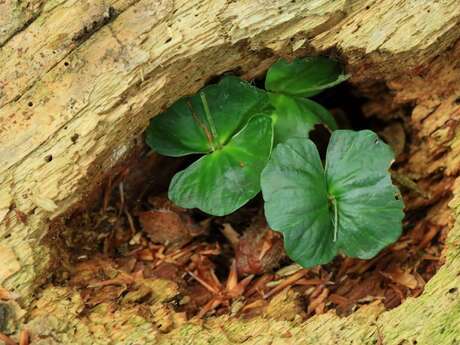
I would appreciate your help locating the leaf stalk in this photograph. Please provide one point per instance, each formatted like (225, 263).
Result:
(336, 217)
(210, 120)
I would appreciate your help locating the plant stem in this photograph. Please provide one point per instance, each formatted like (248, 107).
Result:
(215, 144)
(336, 217)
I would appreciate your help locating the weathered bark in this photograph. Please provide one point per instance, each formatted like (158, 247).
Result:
(79, 81)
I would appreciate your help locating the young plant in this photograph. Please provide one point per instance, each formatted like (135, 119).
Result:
(225, 122)
(350, 206)
(234, 125)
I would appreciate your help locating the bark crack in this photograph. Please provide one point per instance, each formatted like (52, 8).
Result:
(88, 30)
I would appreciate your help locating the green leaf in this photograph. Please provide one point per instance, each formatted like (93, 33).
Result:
(349, 207)
(296, 202)
(223, 181)
(295, 117)
(184, 128)
(304, 77)
(370, 209)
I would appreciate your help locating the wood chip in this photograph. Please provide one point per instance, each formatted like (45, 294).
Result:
(318, 301)
(259, 285)
(24, 337)
(260, 303)
(288, 270)
(309, 282)
(287, 282)
(231, 234)
(205, 284)
(429, 235)
(121, 279)
(401, 277)
(337, 299)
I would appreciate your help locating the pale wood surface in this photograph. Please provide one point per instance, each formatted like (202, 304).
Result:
(79, 81)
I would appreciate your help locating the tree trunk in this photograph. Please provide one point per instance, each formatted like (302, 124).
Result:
(79, 81)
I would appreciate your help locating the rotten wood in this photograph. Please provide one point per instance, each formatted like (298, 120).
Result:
(78, 85)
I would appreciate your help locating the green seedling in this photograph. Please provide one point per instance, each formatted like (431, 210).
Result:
(349, 207)
(226, 123)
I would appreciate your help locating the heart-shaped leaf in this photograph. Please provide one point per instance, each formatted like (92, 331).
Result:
(295, 117)
(184, 128)
(349, 207)
(224, 180)
(304, 77)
